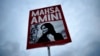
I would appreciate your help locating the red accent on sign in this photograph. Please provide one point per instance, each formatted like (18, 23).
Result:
(47, 27)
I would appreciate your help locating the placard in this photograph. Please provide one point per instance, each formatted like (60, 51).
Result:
(47, 27)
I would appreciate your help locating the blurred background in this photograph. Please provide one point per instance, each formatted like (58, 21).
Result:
(83, 21)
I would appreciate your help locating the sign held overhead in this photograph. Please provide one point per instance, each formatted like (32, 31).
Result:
(47, 27)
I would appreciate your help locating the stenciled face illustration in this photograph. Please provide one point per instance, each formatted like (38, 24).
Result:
(44, 29)
(34, 30)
